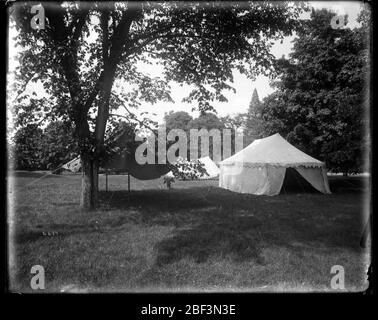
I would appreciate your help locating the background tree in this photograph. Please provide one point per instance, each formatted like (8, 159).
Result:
(322, 97)
(58, 145)
(252, 122)
(184, 121)
(208, 121)
(188, 170)
(28, 148)
(255, 102)
(86, 47)
(177, 120)
(234, 121)
(40, 149)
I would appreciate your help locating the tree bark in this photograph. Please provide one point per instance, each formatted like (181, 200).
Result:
(89, 189)
(89, 195)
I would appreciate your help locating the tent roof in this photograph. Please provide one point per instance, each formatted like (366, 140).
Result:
(273, 150)
(210, 166)
(73, 165)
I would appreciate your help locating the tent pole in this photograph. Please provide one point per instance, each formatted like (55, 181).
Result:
(106, 180)
(128, 182)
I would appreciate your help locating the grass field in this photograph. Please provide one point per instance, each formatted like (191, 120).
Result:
(195, 236)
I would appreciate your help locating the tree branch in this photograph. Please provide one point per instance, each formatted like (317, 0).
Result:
(119, 115)
(104, 20)
(78, 24)
(120, 36)
(133, 116)
(23, 88)
(137, 49)
(118, 40)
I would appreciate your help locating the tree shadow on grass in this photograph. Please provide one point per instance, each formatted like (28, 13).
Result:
(237, 238)
(211, 221)
(164, 207)
(352, 184)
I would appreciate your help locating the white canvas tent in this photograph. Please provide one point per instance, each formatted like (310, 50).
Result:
(260, 168)
(210, 167)
(208, 164)
(73, 165)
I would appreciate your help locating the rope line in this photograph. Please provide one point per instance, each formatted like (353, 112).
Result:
(40, 178)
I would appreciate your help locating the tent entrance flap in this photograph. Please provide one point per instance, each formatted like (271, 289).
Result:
(317, 177)
(294, 182)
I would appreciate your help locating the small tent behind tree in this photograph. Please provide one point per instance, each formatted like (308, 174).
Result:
(125, 164)
(73, 165)
(211, 168)
(203, 168)
(260, 168)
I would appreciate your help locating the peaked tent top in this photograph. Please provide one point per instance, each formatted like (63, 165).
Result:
(210, 166)
(273, 150)
(73, 165)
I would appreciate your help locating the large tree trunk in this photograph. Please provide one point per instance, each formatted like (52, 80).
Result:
(89, 193)
(89, 189)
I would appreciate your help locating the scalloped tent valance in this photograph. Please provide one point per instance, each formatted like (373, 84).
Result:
(260, 168)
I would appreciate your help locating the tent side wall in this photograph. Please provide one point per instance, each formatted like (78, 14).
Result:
(267, 180)
(253, 180)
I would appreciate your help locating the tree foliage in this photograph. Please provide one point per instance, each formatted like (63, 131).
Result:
(255, 102)
(207, 120)
(58, 145)
(43, 149)
(184, 121)
(178, 120)
(188, 170)
(28, 148)
(322, 96)
(252, 123)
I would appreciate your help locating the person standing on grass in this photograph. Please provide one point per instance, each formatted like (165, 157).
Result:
(168, 179)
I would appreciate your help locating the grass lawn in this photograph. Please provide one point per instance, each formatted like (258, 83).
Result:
(195, 236)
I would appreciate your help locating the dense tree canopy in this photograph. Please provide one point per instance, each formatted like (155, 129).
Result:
(57, 145)
(177, 120)
(322, 97)
(28, 148)
(184, 121)
(40, 149)
(207, 120)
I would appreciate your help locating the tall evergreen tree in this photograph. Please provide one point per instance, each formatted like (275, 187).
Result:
(253, 118)
(255, 102)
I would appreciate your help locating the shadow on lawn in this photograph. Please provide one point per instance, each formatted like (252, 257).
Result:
(236, 237)
(215, 222)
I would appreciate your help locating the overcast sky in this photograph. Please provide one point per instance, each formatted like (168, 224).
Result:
(237, 102)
